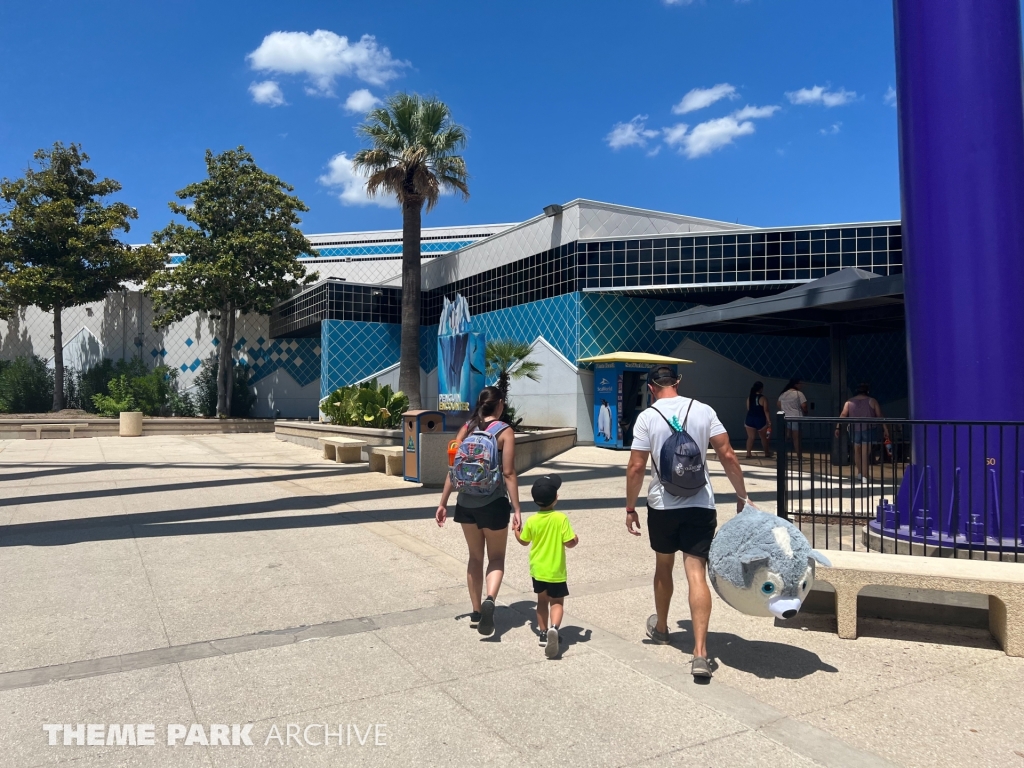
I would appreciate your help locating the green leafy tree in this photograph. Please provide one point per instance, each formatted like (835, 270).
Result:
(241, 246)
(413, 156)
(57, 242)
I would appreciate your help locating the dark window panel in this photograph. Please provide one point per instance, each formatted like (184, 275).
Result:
(787, 237)
(788, 249)
(803, 246)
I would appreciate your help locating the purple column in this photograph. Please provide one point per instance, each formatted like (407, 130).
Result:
(961, 131)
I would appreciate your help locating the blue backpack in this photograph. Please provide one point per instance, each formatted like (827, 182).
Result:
(476, 468)
(680, 465)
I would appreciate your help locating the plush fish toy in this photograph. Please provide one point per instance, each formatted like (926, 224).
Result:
(762, 565)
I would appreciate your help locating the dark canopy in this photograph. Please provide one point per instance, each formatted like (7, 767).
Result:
(857, 301)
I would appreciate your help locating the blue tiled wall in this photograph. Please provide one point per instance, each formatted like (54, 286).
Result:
(583, 325)
(353, 350)
(299, 357)
(880, 359)
(609, 323)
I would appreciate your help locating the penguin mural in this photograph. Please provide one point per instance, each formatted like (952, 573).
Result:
(604, 421)
(762, 565)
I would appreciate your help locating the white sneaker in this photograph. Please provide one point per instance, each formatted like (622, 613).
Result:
(552, 646)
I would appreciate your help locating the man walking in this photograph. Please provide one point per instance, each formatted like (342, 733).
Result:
(679, 523)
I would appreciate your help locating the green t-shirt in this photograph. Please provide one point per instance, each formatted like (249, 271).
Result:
(548, 532)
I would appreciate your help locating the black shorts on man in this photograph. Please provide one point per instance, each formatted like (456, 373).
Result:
(686, 529)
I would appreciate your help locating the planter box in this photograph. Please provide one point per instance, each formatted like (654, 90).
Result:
(103, 426)
(306, 433)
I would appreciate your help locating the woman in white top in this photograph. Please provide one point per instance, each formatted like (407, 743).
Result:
(793, 403)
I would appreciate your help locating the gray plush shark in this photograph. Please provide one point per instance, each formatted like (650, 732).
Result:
(762, 565)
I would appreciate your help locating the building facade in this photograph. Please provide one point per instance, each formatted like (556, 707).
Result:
(580, 280)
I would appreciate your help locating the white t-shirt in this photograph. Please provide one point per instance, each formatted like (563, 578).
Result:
(792, 401)
(651, 432)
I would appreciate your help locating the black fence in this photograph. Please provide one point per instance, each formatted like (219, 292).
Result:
(944, 488)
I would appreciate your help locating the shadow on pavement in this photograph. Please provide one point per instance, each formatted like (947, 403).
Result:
(762, 658)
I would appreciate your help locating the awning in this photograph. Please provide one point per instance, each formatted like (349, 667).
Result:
(859, 301)
(634, 358)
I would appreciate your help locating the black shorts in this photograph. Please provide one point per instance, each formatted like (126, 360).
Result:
(688, 530)
(493, 516)
(553, 588)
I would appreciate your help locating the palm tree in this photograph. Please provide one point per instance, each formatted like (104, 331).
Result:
(502, 356)
(413, 156)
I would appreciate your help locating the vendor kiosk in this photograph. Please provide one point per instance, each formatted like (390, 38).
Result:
(620, 393)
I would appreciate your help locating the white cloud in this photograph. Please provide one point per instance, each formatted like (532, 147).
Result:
(675, 134)
(360, 101)
(710, 135)
(821, 95)
(699, 98)
(351, 185)
(268, 92)
(832, 130)
(678, 2)
(890, 97)
(749, 112)
(706, 137)
(634, 133)
(323, 56)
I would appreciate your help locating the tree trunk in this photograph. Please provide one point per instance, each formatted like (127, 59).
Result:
(58, 361)
(409, 371)
(223, 363)
(231, 358)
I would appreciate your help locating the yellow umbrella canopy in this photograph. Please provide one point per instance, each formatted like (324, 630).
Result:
(634, 358)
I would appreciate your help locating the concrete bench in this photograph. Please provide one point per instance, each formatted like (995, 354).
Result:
(54, 426)
(1002, 582)
(389, 459)
(343, 450)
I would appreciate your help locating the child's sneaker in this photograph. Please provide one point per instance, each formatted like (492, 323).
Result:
(542, 637)
(474, 619)
(552, 643)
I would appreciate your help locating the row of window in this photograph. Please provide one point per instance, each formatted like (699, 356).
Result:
(767, 257)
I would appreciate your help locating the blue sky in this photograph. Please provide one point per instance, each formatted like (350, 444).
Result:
(767, 112)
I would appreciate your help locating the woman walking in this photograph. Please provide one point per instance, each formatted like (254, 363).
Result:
(793, 403)
(485, 518)
(863, 406)
(757, 419)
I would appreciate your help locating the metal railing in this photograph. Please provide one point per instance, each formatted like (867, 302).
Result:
(944, 488)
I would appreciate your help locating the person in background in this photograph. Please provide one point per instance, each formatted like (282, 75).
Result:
(757, 419)
(863, 406)
(793, 403)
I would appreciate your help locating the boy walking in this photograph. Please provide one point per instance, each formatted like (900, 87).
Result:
(550, 534)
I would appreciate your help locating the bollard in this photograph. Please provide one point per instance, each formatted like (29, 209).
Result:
(131, 424)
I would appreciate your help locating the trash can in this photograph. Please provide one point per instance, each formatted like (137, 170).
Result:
(415, 424)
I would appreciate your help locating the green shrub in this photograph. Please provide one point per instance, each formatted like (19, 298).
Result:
(132, 386)
(93, 381)
(366, 405)
(242, 398)
(26, 386)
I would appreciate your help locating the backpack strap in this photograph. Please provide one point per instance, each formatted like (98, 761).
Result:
(687, 416)
(501, 427)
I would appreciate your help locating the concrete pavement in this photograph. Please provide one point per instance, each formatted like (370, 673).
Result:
(241, 580)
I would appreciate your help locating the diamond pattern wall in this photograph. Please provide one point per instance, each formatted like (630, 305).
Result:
(351, 351)
(880, 359)
(610, 323)
(123, 324)
(556, 319)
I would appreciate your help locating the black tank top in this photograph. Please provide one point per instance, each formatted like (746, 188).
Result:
(756, 410)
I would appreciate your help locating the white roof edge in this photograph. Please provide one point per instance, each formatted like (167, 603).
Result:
(455, 229)
(582, 201)
(551, 348)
